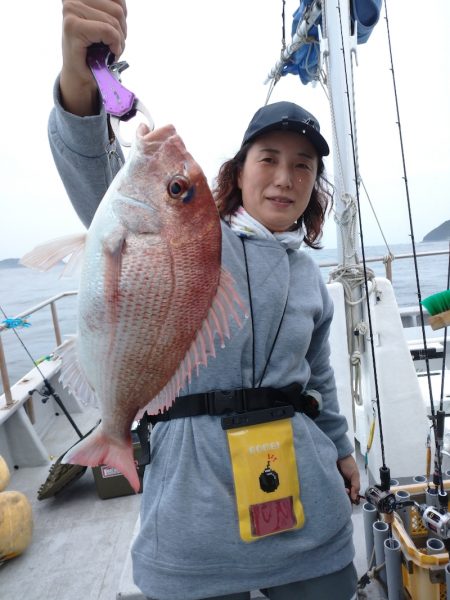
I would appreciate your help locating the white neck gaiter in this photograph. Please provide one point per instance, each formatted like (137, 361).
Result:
(244, 225)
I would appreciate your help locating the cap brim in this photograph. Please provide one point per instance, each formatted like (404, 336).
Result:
(316, 139)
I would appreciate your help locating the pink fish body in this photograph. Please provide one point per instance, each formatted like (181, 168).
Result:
(152, 295)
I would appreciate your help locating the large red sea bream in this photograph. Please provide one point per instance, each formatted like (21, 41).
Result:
(152, 294)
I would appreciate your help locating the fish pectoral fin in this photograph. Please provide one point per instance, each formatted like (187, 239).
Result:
(114, 246)
(72, 375)
(225, 304)
(47, 255)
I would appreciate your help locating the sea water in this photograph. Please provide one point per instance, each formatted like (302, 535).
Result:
(22, 288)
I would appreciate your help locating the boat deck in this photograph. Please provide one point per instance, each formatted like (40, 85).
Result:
(80, 542)
(80, 545)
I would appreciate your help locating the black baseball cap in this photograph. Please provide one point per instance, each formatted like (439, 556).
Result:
(287, 116)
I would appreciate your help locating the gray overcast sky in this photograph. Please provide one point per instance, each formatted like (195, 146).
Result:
(201, 65)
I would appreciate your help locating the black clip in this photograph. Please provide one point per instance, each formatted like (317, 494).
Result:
(143, 433)
(255, 417)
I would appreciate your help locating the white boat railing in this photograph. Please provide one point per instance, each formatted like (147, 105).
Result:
(56, 328)
(387, 260)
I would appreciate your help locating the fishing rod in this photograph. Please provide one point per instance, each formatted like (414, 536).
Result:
(435, 515)
(441, 405)
(434, 512)
(437, 418)
(384, 470)
(48, 390)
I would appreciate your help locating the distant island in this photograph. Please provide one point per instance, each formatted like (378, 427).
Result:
(439, 234)
(10, 263)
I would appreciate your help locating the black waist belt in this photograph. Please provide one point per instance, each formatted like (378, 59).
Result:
(224, 402)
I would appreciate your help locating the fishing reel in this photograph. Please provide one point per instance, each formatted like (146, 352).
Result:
(435, 521)
(384, 501)
(45, 392)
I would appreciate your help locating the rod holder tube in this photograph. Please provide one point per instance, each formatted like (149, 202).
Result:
(380, 534)
(435, 546)
(431, 497)
(404, 513)
(393, 558)
(447, 579)
(419, 479)
(369, 517)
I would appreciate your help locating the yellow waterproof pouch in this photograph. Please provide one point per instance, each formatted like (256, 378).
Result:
(265, 475)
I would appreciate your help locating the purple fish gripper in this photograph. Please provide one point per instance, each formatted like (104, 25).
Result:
(119, 102)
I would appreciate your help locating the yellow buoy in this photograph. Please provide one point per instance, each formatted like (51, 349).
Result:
(16, 524)
(4, 474)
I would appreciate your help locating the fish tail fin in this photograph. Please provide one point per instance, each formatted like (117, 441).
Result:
(45, 256)
(100, 449)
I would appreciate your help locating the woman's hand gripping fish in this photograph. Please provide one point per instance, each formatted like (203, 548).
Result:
(152, 294)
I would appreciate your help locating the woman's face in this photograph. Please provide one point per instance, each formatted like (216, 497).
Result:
(277, 178)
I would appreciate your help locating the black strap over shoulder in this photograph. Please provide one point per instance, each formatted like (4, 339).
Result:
(224, 402)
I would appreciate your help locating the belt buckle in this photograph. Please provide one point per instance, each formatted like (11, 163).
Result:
(226, 401)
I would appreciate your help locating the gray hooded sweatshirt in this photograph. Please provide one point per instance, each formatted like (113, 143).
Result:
(189, 545)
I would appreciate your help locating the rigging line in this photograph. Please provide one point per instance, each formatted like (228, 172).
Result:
(441, 405)
(411, 227)
(363, 255)
(283, 27)
(275, 80)
(269, 93)
(376, 218)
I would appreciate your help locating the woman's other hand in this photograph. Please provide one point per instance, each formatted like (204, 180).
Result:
(350, 472)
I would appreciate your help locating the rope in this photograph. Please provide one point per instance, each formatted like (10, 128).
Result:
(352, 277)
(300, 37)
(347, 221)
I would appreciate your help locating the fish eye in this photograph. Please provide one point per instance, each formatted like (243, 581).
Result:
(179, 188)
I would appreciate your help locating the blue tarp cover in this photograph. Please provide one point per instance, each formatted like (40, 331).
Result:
(304, 62)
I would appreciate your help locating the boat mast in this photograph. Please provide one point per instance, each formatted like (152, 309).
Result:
(337, 46)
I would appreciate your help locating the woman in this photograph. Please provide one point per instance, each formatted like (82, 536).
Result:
(205, 531)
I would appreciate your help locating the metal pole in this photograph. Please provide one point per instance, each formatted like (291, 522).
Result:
(388, 267)
(56, 324)
(5, 377)
(337, 52)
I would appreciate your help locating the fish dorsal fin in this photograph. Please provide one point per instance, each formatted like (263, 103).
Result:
(72, 376)
(45, 256)
(226, 304)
